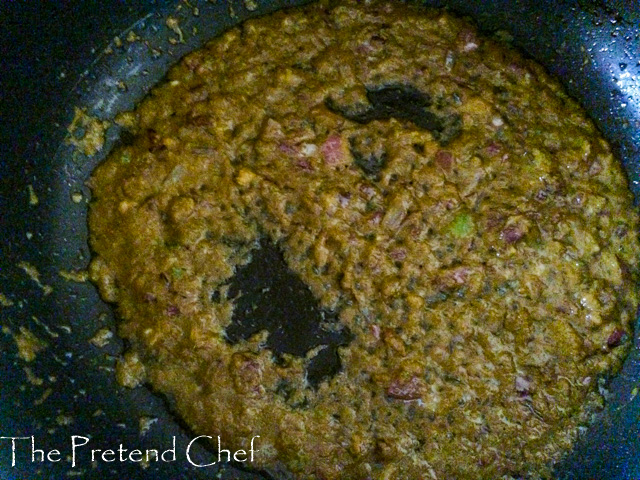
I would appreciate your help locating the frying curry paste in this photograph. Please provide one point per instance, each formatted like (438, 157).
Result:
(441, 193)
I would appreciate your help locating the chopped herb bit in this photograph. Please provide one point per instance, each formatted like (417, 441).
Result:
(177, 272)
(461, 226)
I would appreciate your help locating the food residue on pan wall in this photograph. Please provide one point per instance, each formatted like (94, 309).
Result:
(86, 133)
(28, 344)
(64, 420)
(132, 36)
(33, 198)
(5, 302)
(46, 328)
(102, 338)
(130, 371)
(174, 24)
(43, 397)
(34, 275)
(32, 378)
(79, 276)
(145, 424)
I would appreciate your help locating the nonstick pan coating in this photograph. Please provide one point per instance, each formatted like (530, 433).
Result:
(53, 61)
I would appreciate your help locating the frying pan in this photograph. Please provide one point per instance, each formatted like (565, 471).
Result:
(53, 59)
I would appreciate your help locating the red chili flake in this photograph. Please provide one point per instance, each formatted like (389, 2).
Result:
(512, 234)
(398, 254)
(149, 297)
(444, 159)
(155, 141)
(246, 372)
(493, 149)
(595, 168)
(288, 149)
(616, 338)
(467, 36)
(192, 62)
(493, 220)
(375, 331)
(459, 275)
(367, 190)
(470, 46)
(364, 48)
(541, 196)
(249, 368)
(200, 120)
(621, 231)
(304, 165)
(332, 150)
(344, 198)
(404, 390)
(523, 385)
(519, 70)
(452, 279)
(196, 95)
(172, 311)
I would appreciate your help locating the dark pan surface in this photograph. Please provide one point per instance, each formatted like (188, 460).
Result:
(53, 61)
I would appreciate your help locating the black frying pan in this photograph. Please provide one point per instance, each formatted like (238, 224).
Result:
(52, 60)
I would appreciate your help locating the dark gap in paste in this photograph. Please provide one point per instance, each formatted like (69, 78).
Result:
(269, 296)
(403, 102)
